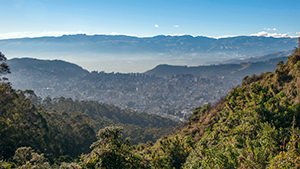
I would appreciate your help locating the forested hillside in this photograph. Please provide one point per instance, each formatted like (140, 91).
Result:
(140, 127)
(53, 133)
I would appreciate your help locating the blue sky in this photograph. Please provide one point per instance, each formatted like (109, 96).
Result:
(214, 18)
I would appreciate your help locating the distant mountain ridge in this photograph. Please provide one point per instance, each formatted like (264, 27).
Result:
(267, 57)
(226, 70)
(161, 43)
(58, 68)
(137, 54)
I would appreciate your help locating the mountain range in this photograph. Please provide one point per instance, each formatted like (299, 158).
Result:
(122, 53)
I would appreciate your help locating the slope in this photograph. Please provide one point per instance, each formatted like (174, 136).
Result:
(255, 126)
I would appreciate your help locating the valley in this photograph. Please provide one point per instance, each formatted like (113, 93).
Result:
(167, 91)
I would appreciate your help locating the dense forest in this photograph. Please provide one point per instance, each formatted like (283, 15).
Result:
(255, 126)
(140, 127)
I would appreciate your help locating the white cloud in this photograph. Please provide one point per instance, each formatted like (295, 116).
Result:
(176, 26)
(117, 33)
(298, 33)
(114, 33)
(267, 34)
(156, 26)
(224, 36)
(270, 29)
(180, 34)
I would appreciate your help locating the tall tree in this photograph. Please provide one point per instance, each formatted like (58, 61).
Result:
(4, 69)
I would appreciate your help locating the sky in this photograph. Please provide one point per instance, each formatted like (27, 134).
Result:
(212, 18)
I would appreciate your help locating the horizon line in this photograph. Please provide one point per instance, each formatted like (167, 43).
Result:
(16, 35)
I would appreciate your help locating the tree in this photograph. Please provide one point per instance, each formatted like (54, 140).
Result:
(298, 51)
(25, 157)
(4, 69)
(174, 152)
(112, 151)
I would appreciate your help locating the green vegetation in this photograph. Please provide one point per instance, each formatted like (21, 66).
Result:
(112, 151)
(53, 133)
(140, 127)
(255, 126)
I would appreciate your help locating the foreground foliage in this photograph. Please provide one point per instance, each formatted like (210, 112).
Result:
(112, 151)
(257, 124)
